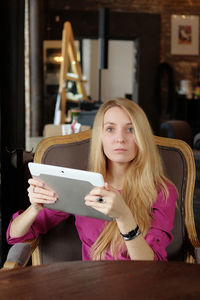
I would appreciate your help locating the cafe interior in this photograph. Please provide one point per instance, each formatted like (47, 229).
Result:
(62, 60)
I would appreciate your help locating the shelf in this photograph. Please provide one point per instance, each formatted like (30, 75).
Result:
(69, 56)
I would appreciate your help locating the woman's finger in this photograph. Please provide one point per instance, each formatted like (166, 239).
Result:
(101, 207)
(39, 195)
(37, 182)
(41, 190)
(41, 201)
(42, 196)
(96, 191)
(44, 191)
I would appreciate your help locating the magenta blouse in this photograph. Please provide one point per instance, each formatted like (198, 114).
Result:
(158, 237)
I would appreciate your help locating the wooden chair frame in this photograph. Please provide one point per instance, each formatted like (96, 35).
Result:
(189, 157)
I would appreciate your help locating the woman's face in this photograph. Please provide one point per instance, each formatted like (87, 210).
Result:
(118, 138)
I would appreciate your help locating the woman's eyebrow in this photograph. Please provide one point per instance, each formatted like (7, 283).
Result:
(109, 123)
(113, 123)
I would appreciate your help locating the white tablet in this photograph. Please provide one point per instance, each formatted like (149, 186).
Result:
(71, 186)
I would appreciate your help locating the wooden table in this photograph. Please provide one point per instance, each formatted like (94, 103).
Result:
(103, 280)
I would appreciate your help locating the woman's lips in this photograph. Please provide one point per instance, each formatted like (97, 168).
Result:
(120, 150)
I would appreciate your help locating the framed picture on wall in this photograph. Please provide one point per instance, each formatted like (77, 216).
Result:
(184, 35)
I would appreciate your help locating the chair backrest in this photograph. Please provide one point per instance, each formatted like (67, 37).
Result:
(177, 129)
(62, 242)
(179, 167)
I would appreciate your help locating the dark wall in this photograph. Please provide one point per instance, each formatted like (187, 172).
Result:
(12, 115)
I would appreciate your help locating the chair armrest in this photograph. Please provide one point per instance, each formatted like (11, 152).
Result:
(197, 255)
(19, 254)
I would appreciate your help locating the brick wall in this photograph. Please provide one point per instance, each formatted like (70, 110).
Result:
(184, 65)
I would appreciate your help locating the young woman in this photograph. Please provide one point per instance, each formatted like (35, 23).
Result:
(137, 195)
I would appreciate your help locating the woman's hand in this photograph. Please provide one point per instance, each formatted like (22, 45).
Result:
(39, 194)
(113, 204)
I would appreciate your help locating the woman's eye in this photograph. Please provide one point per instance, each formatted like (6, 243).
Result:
(109, 129)
(131, 129)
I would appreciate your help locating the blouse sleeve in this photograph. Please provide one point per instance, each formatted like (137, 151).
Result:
(46, 219)
(159, 235)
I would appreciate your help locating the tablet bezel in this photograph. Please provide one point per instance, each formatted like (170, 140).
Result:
(69, 184)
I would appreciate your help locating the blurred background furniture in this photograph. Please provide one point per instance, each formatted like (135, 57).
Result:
(62, 129)
(188, 110)
(177, 129)
(62, 242)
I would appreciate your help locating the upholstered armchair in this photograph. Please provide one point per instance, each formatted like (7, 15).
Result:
(62, 242)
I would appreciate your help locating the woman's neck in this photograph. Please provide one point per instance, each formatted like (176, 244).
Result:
(115, 175)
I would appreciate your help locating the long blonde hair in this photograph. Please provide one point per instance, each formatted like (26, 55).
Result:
(143, 180)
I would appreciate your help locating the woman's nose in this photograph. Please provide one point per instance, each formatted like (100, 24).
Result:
(120, 137)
